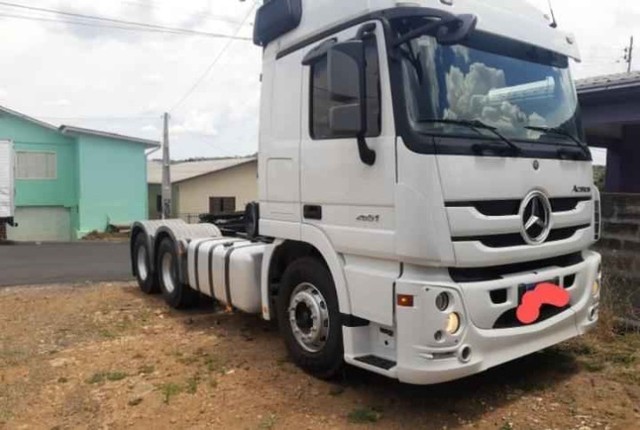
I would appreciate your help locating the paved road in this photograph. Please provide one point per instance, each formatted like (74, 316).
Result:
(50, 263)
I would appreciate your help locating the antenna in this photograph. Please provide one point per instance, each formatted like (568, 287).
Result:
(554, 22)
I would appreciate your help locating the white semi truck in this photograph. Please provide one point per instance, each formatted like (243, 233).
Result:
(7, 186)
(422, 172)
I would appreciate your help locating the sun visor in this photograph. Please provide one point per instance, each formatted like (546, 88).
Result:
(275, 18)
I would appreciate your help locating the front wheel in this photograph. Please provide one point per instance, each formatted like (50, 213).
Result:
(309, 318)
(175, 293)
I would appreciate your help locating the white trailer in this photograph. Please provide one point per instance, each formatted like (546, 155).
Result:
(7, 183)
(426, 196)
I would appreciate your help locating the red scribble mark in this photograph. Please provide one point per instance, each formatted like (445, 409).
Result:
(544, 294)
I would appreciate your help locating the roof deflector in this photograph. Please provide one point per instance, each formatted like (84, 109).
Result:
(275, 18)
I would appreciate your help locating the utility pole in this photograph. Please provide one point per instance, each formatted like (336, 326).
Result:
(628, 55)
(166, 171)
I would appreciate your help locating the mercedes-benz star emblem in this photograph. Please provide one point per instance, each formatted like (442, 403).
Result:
(535, 214)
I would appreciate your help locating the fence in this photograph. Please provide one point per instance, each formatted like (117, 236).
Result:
(620, 248)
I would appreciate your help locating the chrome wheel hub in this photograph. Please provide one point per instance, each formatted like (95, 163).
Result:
(141, 263)
(309, 317)
(168, 278)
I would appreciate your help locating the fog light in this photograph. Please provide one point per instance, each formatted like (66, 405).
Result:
(595, 289)
(453, 323)
(442, 302)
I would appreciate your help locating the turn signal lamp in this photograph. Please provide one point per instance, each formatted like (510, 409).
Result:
(405, 300)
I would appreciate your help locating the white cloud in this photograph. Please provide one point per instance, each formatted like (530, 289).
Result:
(114, 73)
(58, 103)
(3, 93)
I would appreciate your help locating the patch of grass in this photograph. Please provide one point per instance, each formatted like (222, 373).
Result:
(188, 360)
(336, 390)
(191, 385)
(116, 376)
(214, 364)
(107, 334)
(169, 390)
(146, 369)
(364, 415)
(593, 365)
(101, 377)
(268, 422)
(506, 426)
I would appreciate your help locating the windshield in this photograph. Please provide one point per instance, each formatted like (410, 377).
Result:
(504, 84)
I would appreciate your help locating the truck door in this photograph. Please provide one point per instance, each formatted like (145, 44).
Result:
(352, 202)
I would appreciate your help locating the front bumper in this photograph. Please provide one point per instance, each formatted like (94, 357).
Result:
(423, 358)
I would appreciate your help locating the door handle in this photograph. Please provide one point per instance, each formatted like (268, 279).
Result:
(312, 212)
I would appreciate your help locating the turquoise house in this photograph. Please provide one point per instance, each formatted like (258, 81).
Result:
(71, 181)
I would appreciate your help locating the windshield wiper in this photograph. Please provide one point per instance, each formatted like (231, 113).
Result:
(476, 125)
(562, 132)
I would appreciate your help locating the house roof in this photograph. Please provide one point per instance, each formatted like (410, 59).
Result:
(28, 118)
(70, 130)
(192, 169)
(608, 82)
(67, 129)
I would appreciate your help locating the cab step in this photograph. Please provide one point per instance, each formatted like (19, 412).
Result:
(375, 361)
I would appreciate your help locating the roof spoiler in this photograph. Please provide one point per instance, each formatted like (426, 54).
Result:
(275, 18)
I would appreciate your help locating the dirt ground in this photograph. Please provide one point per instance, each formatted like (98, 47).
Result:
(106, 356)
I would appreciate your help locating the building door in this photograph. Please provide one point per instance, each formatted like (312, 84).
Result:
(46, 224)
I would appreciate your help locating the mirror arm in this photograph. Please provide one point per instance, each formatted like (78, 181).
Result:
(367, 155)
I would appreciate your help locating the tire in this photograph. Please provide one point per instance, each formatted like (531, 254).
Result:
(175, 293)
(141, 258)
(322, 352)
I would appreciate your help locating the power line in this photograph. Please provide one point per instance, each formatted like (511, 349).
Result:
(94, 25)
(120, 21)
(213, 63)
(201, 12)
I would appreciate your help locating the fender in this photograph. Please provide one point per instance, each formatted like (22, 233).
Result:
(316, 237)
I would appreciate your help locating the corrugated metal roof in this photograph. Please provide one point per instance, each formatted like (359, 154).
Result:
(192, 169)
(608, 82)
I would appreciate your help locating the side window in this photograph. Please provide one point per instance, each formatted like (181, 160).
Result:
(322, 101)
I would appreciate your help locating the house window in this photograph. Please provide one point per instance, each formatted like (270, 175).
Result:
(222, 205)
(36, 165)
(322, 101)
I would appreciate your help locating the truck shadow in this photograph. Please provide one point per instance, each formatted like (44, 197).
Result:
(449, 404)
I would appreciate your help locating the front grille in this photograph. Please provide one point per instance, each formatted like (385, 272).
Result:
(509, 319)
(516, 239)
(511, 207)
(483, 274)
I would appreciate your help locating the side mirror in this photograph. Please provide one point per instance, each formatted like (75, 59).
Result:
(346, 81)
(457, 30)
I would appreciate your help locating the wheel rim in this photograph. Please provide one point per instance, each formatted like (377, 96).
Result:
(167, 273)
(309, 317)
(143, 271)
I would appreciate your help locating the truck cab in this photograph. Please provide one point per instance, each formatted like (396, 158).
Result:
(422, 173)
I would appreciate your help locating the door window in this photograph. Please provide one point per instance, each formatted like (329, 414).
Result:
(322, 101)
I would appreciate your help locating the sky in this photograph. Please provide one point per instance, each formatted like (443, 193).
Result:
(122, 81)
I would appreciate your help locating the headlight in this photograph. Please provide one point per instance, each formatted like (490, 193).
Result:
(453, 323)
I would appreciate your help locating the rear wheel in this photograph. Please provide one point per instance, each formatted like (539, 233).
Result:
(309, 318)
(141, 256)
(175, 293)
